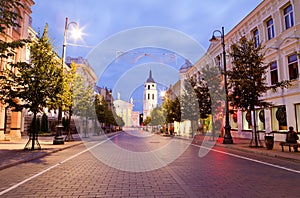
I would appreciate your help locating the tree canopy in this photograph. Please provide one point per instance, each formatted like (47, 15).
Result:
(33, 85)
(247, 78)
(157, 116)
(172, 110)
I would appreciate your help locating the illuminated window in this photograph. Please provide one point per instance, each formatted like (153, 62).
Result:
(293, 66)
(274, 72)
(297, 109)
(259, 120)
(279, 121)
(247, 123)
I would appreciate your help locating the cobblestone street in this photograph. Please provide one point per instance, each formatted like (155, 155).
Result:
(76, 172)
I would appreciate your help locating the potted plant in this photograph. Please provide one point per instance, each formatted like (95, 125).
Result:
(269, 140)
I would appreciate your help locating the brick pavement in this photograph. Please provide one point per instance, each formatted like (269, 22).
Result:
(12, 152)
(189, 176)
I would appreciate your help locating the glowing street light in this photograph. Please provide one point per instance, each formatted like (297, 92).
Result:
(76, 33)
(227, 136)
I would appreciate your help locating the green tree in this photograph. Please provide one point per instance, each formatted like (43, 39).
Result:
(157, 117)
(210, 94)
(35, 85)
(203, 96)
(189, 105)
(172, 110)
(83, 100)
(247, 79)
(118, 121)
(147, 121)
(101, 108)
(216, 96)
(67, 97)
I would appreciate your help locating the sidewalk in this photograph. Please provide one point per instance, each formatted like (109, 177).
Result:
(13, 153)
(243, 145)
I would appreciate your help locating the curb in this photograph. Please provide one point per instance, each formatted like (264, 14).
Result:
(37, 156)
(274, 155)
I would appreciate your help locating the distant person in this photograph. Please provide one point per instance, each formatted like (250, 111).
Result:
(292, 137)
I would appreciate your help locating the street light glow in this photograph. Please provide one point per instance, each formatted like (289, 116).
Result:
(76, 33)
(162, 93)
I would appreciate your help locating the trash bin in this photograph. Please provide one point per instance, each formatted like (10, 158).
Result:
(269, 140)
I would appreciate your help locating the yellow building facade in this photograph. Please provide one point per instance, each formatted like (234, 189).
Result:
(10, 121)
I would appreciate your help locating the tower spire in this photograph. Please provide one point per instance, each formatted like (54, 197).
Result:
(150, 79)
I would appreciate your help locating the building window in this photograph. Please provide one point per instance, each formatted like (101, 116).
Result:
(234, 119)
(288, 16)
(148, 86)
(148, 96)
(270, 29)
(152, 96)
(279, 121)
(256, 37)
(274, 72)
(218, 62)
(16, 27)
(259, 119)
(247, 122)
(293, 66)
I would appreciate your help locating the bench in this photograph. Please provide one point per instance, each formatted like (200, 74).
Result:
(282, 144)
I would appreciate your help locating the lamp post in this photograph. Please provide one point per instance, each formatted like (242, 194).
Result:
(227, 136)
(58, 139)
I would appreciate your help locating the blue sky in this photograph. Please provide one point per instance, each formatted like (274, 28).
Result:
(105, 19)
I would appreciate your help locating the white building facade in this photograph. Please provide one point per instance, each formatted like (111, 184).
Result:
(124, 110)
(276, 25)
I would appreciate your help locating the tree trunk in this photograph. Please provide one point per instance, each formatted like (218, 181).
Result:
(34, 130)
(254, 131)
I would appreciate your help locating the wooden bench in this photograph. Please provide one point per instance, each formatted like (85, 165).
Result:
(282, 144)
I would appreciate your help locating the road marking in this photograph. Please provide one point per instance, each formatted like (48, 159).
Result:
(249, 159)
(50, 168)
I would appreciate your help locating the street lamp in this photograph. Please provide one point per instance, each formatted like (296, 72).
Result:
(58, 139)
(227, 136)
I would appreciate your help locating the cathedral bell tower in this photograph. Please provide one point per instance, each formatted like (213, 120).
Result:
(150, 96)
